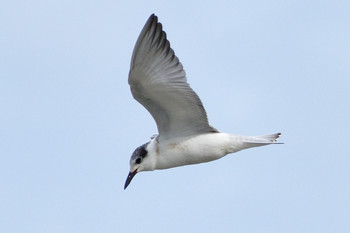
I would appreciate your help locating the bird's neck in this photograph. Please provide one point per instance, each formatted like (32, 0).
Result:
(152, 155)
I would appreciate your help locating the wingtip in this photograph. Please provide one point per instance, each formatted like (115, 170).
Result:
(153, 17)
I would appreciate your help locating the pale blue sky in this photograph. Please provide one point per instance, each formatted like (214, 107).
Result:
(69, 124)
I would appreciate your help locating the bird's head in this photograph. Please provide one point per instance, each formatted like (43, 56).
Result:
(139, 161)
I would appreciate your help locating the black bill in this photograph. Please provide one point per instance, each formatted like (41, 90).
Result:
(129, 178)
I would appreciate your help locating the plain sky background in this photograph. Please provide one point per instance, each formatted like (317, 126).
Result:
(68, 122)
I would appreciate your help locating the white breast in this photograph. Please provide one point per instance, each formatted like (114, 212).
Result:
(197, 149)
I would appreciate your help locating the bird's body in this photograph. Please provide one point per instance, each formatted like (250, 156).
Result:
(158, 81)
(198, 149)
(192, 150)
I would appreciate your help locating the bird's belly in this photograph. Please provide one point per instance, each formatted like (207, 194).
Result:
(199, 149)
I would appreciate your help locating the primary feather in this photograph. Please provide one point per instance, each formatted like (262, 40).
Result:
(158, 81)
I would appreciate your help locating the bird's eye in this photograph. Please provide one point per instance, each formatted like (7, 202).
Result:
(138, 160)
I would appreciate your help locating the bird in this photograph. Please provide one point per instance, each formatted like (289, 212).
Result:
(158, 82)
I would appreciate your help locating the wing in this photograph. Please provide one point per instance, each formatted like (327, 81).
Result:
(158, 81)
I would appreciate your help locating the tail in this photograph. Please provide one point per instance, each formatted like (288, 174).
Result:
(253, 141)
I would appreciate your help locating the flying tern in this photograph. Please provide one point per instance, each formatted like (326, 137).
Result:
(158, 81)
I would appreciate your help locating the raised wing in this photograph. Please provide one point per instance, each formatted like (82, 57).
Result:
(158, 82)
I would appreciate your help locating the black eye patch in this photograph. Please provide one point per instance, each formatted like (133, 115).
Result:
(138, 160)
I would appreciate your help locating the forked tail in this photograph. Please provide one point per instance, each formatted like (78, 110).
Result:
(253, 141)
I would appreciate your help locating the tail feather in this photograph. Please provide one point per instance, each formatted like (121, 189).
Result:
(271, 138)
(253, 141)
